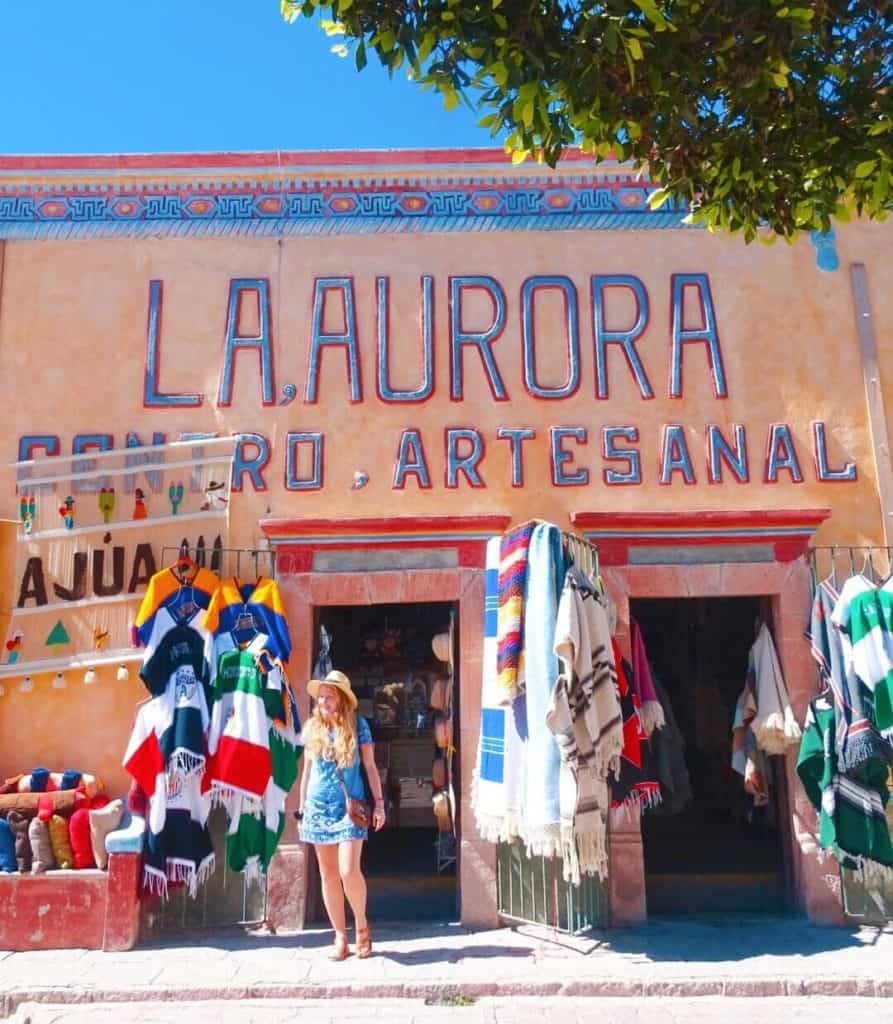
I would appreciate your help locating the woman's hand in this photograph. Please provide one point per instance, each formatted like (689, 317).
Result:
(378, 817)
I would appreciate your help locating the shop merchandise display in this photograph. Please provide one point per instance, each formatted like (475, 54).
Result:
(633, 784)
(548, 630)
(846, 753)
(764, 722)
(585, 714)
(41, 810)
(220, 727)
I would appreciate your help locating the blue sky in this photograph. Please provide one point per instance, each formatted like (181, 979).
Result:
(111, 76)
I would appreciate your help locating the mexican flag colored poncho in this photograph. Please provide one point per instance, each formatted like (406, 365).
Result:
(254, 752)
(852, 822)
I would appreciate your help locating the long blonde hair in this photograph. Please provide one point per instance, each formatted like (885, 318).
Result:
(334, 738)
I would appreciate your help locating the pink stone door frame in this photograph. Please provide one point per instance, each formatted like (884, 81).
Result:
(303, 591)
(816, 877)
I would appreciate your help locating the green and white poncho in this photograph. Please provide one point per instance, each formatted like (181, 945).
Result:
(851, 808)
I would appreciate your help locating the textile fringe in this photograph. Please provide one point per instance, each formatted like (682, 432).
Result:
(495, 828)
(185, 872)
(544, 842)
(592, 849)
(252, 871)
(777, 732)
(644, 799)
(570, 862)
(155, 882)
(651, 715)
(186, 763)
(226, 795)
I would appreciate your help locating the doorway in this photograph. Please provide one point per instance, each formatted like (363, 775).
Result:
(715, 851)
(387, 652)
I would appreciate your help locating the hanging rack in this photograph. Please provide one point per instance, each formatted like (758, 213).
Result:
(224, 561)
(836, 561)
(583, 553)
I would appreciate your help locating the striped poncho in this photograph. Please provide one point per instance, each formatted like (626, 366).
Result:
(852, 822)
(253, 743)
(513, 555)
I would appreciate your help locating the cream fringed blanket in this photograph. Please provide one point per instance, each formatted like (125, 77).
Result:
(586, 719)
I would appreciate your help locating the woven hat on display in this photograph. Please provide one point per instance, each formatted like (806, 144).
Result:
(339, 681)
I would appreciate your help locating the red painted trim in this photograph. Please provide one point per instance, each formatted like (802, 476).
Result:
(690, 519)
(272, 158)
(385, 525)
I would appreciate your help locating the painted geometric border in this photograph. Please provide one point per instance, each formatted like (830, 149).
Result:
(440, 192)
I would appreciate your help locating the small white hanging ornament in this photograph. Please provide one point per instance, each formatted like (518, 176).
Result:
(89, 676)
(59, 682)
(26, 685)
(123, 673)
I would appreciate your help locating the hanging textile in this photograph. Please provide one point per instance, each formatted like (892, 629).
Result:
(865, 614)
(585, 716)
(773, 723)
(633, 785)
(183, 598)
(668, 756)
(651, 714)
(166, 755)
(546, 566)
(252, 837)
(244, 609)
(513, 554)
(852, 822)
(856, 740)
(498, 785)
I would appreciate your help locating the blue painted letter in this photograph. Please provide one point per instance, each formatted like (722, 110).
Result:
(319, 339)
(674, 455)
(781, 454)
(262, 341)
(823, 469)
(682, 335)
(516, 436)
(292, 481)
(254, 467)
(630, 456)
(152, 397)
(626, 338)
(561, 477)
(383, 315)
(572, 333)
(482, 341)
(719, 450)
(468, 463)
(411, 459)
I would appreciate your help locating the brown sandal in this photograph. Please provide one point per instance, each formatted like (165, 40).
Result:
(364, 943)
(339, 949)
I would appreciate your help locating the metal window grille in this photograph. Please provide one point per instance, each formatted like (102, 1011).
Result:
(836, 562)
(531, 890)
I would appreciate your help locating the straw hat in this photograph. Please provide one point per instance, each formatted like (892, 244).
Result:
(336, 679)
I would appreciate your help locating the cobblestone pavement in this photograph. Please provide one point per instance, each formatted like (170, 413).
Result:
(520, 1010)
(729, 957)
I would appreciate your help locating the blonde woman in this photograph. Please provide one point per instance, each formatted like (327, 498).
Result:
(335, 739)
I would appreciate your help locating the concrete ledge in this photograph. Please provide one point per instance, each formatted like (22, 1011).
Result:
(595, 988)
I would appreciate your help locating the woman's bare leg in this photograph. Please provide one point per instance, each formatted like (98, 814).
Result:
(327, 856)
(352, 879)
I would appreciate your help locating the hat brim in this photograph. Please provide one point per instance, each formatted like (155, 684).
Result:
(314, 685)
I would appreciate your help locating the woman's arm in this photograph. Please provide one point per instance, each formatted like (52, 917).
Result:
(367, 752)
(305, 779)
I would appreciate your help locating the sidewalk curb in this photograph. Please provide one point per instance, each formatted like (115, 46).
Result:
(441, 990)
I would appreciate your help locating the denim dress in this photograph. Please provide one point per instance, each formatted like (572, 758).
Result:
(325, 808)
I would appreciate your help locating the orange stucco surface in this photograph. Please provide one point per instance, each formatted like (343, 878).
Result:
(73, 343)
